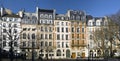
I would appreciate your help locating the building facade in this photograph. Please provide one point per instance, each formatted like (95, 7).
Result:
(10, 30)
(48, 35)
(62, 36)
(45, 32)
(29, 41)
(92, 26)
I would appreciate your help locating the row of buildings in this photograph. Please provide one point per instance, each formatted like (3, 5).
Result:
(49, 34)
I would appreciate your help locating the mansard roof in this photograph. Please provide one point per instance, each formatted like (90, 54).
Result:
(46, 10)
(11, 15)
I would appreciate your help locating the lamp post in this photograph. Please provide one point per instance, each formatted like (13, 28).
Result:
(88, 52)
(32, 50)
(11, 50)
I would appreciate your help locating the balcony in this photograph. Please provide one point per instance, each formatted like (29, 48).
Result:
(29, 47)
(78, 45)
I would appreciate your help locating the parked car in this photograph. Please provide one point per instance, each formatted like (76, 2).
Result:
(117, 54)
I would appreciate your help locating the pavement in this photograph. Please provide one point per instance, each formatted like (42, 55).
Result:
(110, 59)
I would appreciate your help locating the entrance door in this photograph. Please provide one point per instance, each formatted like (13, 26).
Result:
(67, 53)
(83, 55)
(73, 55)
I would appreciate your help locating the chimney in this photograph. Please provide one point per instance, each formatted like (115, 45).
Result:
(2, 11)
(37, 11)
(21, 13)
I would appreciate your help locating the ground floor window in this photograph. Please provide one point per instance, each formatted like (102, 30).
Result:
(58, 52)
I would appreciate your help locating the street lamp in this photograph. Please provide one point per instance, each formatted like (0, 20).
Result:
(32, 50)
(88, 52)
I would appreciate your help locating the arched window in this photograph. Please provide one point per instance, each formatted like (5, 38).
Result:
(28, 36)
(68, 53)
(24, 36)
(50, 16)
(58, 52)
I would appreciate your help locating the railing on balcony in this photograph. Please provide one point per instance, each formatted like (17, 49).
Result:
(78, 45)
(29, 47)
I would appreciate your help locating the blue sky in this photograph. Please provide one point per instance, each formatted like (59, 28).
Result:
(92, 7)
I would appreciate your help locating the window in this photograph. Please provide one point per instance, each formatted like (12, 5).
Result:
(41, 36)
(78, 42)
(46, 36)
(15, 25)
(46, 16)
(58, 52)
(33, 36)
(4, 25)
(50, 36)
(62, 23)
(28, 29)
(41, 28)
(101, 23)
(62, 44)
(82, 29)
(66, 23)
(4, 43)
(24, 43)
(9, 30)
(50, 29)
(58, 30)
(24, 36)
(15, 44)
(15, 30)
(66, 37)
(78, 29)
(50, 16)
(50, 43)
(57, 23)
(58, 44)
(93, 23)
(41, 15)
(82, 36)
(72, 35)
(62, 29)
(24, 29)
(4, 31)
(4, 37)
(62, 36)
(28, 36)
(90, 37)
(46, 29)
(66, 29)
(89, 23)
(77, 35)
(41, 43)
(67, 45)
(46, 44)
(58, 37)
(33, 29)
(72, 29)
(9, 25)
(72, 41)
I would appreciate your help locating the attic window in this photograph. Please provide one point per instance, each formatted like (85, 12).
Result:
(24, 29)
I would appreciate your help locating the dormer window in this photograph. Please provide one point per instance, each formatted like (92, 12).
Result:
(46, 16)
(50, 16)
(41, 15)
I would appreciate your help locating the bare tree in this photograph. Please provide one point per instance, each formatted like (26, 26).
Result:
(106, 34)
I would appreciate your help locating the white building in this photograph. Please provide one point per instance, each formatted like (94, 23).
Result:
(62, 37)
(93, 25)
(10, 26)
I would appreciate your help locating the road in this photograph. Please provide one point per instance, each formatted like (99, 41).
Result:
(65, 60)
